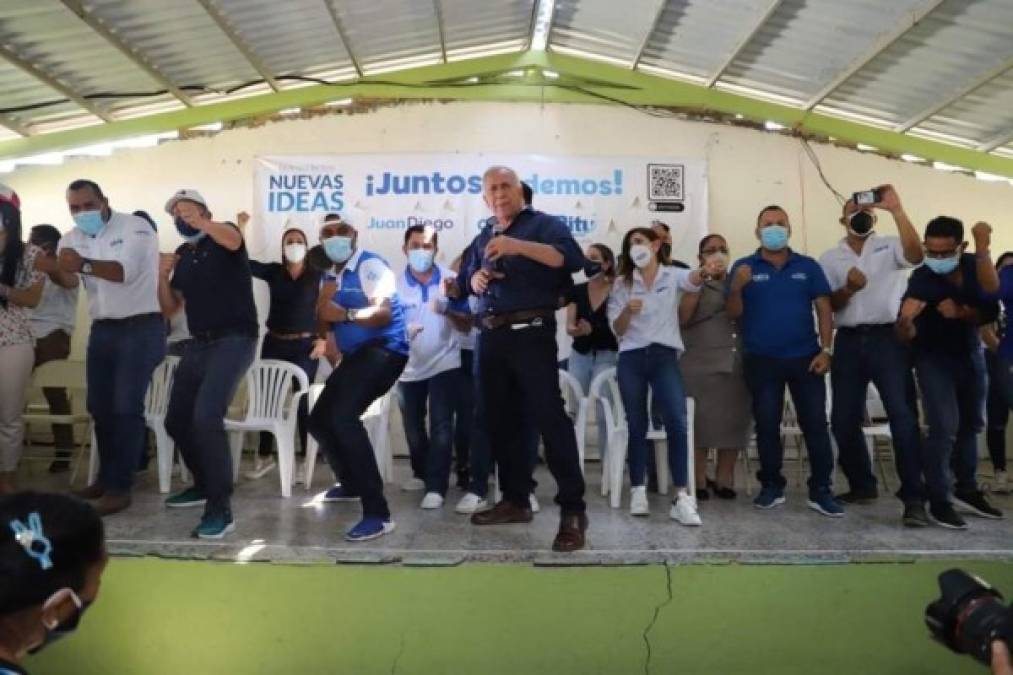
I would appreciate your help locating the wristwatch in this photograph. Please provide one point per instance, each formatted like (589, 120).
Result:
(86, 267)
(829, 351)
(350, 315)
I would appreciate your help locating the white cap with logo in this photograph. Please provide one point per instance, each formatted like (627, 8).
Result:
(187, 195)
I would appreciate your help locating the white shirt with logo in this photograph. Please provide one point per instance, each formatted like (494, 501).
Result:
(883, 263)
(130, 241)
(435, 348)
(658, 320)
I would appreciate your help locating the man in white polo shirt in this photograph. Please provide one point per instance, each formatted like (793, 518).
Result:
(867, 274)
(116, 256)
(433, 372)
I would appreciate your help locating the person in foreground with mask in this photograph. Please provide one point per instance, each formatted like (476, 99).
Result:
(644, 311)
(712, 368)
(947, 299)
(116, 257)
(866, 271)
(772, 294)
(432, 379)
(208, 278)
(292, 319)
(52, 556)
(359, 304)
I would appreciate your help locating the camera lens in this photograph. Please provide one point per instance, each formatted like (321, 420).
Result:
(969, 615)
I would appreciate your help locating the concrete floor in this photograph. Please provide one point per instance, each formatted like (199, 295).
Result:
(298, 530)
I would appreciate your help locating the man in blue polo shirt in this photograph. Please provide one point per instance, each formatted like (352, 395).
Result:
(774, 291)
(359, 302)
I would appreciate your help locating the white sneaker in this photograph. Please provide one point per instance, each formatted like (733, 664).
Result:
(535, 507)
(413, 485)
(1000, 484)
(471, 503)
(638, 501)
(432, 500)
(684, 511)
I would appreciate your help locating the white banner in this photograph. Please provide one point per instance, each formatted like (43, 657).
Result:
(599, 198)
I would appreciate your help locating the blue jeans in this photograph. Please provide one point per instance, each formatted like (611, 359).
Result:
(430, 454)
(657, 367)
(951, 390)
(202, 389)
(766, 378)
(122, 355)
(875, 355)
(585, 367)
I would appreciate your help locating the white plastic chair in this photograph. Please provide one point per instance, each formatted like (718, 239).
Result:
(156, 405)
(376, 419)
(573, 393)
(69, 375)
(875, 427)
(272, 406)
(617, 431)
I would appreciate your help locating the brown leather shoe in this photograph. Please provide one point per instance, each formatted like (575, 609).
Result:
(570, 537)
(93, 491)
(109, 503)
(504, 512)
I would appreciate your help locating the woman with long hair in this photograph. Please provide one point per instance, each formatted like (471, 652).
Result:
(643, 309)
(20, 288)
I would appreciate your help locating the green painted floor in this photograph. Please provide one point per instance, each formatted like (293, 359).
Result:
(160, 616)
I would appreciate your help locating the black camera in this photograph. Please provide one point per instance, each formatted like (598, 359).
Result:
(969, 615)
(867, 197)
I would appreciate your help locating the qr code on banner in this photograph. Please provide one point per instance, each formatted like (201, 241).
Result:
(665, 182)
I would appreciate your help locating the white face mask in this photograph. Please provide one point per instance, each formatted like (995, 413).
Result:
(641, 255)
(295, 253)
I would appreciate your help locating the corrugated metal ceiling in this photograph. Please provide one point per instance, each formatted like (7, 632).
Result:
(942, 68)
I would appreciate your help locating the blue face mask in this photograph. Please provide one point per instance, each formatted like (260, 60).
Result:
(338, 249)
(420, 260)
(774, 237)
(89, 222)
(943, 265)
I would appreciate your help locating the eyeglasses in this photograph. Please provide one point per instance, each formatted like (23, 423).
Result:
(939, 255)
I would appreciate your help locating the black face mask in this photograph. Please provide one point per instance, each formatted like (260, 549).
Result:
(860, 223)
(184, 229)
(61, 631)
(591, 268)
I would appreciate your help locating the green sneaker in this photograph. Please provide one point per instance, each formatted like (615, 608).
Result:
(185, 499)
(214, 526)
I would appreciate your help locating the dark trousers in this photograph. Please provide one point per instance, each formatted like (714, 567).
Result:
(997, 409)
(875, 355)
(122, 354)
(464, 417)
(296, 352)
(518, 374)
(202, 389)
(766, 378)
(54, 347)
(657, 367)
(360, 378)
(430, 454)
(951, 392)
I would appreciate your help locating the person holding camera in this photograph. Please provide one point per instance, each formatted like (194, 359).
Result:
(772, 293)
(209, 278)
(866, 271)
(947, 299)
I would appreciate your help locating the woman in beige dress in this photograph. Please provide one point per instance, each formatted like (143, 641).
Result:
(712, 369)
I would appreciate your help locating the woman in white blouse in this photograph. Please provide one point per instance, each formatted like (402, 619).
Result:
(644, 312)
